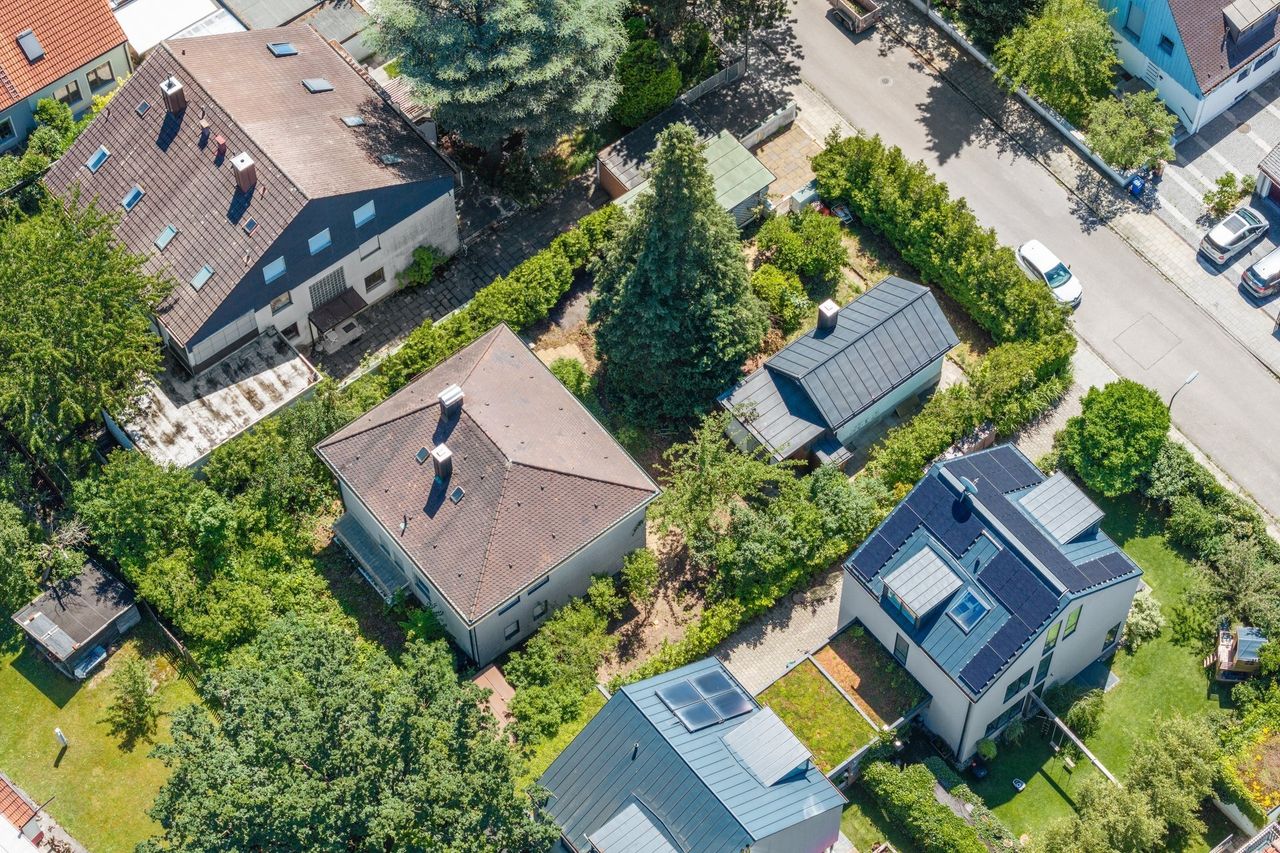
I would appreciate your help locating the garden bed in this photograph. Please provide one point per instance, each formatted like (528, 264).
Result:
(873, 679)
(818, 715)
(1257, 766)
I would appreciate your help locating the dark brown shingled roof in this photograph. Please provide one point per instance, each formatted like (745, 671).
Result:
(541, 477)
(299, 145)
(1214, 56)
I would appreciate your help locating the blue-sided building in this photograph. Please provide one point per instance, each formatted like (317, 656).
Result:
(687, 761)
(988, 583)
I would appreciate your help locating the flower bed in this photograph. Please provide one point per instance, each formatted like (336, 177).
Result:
(818, 715)
(1255, 770)
(872, 678)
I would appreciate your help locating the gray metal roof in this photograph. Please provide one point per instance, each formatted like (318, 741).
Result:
(265, 14)
(636, 749)
(824, 379)
(924, 581)
(633, 830)
(1061, 507)
(1249, 641)
(628, 158)
(767, 747)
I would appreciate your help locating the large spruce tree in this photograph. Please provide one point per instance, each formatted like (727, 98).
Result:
(493, 69)
(676, 312)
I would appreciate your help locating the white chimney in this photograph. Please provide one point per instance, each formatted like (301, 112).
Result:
(175, 99)
(442, 461)
(450, 400)
(246, 172)
(828, 313)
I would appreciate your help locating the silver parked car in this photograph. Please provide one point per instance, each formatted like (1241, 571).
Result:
(1234, 234)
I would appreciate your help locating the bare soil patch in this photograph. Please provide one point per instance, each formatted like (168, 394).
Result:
(882, 688)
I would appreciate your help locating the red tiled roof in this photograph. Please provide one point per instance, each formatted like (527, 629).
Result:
(14, 806)
(72, 32)
(541, 478)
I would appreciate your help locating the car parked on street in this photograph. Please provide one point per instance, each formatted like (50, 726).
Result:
(1043, 265)
(1263, 278)
(1234, 234)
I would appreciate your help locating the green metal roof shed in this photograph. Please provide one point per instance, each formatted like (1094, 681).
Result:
(741, 181)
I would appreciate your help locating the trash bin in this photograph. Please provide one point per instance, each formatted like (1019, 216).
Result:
(1136, 185)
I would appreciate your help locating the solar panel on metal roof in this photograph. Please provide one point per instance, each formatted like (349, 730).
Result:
(1033, 540)
(900, 525)
(697, 716)
(712, 682)
(731, 703)
(679, 694)
(870, 558)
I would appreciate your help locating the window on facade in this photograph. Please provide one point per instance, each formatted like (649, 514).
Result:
(900, 649)
(375, 279)
(290, 331)
(539, 609)
(899, 606)
(320, 242)
(1051, 638)
(101, 77)
(281, 302)
(539, 584)
(364, 214)
(1073, 619)
(1018, 686)
(512, 630)
(273, 270)
(1243, 74)
(510, 604)
(1134, 21)
(1042, 671)
(1003, 720)
(422, 588)
(1265, 58)
(6, 130)
(1112, 634)
(69, 93)
(1166, 44)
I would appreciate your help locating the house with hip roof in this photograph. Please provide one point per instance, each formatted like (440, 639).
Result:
(688, 761)
(1201, 56)
(990, 583)
(267, 175)
(823, 392)
(68, 51)
(488, 491)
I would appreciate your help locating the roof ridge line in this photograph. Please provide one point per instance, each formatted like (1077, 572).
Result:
(586, 477)
(488, 542)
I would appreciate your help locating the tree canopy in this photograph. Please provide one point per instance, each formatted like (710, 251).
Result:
(1133, 131)
(323, 744)
(492, 69)
(676, 312)
(1116, 438)
(1064, 56)
(988, 21)
(77, 335)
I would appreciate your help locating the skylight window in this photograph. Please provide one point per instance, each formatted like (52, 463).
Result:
(423, 455)
(199, 279)
(273, 270)
(143, 106)
(165, 236)
(968, 610)
(352, 121)
(319, 242)
(30, 45)
(316, 85)
(251, 226)
(364, 214)
(391, 159)
(132, 198)
(282, 48)
(96, 159)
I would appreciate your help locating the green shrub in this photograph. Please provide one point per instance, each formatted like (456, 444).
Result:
(1227, 192)
(574, 377)
(987, 749)
(937, 235)
(1080, 709)
(1145, 620)
(784, 295)
(426, 260)
(695, 54)
(807, 244)
(1113, 443)
(907, 797)
(640, 576)
(649, 82)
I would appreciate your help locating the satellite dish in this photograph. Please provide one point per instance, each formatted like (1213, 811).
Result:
(969, 485)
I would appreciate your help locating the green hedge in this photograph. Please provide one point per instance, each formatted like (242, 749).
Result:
(993, 831)
(907, 798)
(937, 235)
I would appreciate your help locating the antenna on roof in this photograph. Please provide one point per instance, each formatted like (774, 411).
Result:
(969, 486)
(404, 524)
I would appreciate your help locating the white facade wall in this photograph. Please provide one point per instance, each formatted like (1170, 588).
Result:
(946, 714)
(436, 225)
(813, 835)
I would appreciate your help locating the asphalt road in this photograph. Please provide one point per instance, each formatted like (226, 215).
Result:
(1140, 324)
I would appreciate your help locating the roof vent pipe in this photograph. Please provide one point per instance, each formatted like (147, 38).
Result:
(442, 461)
(246, 172)
(828, 314)
(451, 400)
(175, 98)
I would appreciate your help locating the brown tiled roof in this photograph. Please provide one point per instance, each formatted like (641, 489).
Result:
(14, 805)
(541, 477)
(1214, 56)
(72, 32)
(299, 145)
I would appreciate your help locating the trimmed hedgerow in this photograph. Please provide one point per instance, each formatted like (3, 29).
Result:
(907, 797)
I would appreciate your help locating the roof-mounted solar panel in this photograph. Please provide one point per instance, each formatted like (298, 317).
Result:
(697, 716)
(679, 694)
(732, 703)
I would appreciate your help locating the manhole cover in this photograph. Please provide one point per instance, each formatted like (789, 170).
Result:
(1243, 128)
(886, 81)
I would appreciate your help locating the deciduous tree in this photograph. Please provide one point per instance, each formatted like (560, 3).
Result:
(677, 316)
(1131, 132)
(988, 21)
(1175, 766)
(17, 561)
(1116, 438)
(134, 706)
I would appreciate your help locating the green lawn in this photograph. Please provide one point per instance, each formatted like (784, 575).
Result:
(100, 791)
(818, 715)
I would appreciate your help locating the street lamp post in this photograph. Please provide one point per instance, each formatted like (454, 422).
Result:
(1191, 377)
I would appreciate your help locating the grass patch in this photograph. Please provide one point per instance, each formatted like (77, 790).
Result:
(865, 824)
(101, 792)
(818, 715)
(540, 757)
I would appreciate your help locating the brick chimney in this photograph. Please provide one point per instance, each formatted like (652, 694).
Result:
(175, 97)
(246, 172)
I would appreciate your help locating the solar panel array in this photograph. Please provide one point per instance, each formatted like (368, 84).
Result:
(1029, 602)
(1001, 467)
(705, 700)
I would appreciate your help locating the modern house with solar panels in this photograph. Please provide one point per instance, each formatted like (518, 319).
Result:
(988, 583)
(487, 491)
(687, 761)
(819, 395)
